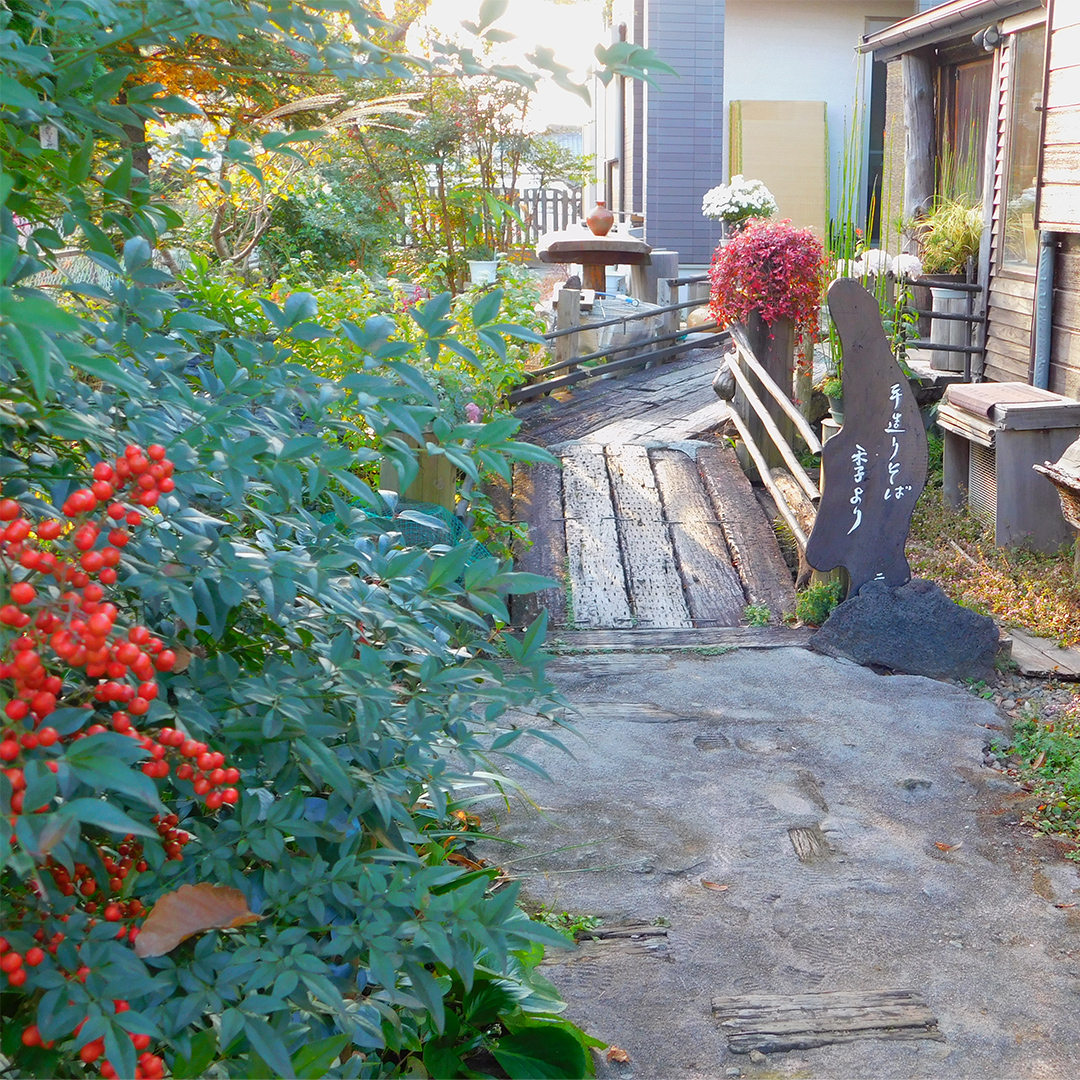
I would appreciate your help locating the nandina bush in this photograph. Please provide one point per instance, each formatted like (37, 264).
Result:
(256, 635)
(773, 269)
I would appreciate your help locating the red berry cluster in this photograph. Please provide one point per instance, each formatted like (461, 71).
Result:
(68, 647)
(150, 1066)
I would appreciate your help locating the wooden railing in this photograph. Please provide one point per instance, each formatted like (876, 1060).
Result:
(567, 369)
(745, 364)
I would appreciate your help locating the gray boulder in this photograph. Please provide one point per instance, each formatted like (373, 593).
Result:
(914, 628)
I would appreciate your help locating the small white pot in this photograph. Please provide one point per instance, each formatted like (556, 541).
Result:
(482, 271)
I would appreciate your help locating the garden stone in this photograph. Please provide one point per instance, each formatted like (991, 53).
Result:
(914, 628)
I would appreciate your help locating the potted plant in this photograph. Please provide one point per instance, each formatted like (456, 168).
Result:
(832, 386)
(769, 278)
(949, 237)
(483, 266)
(737, 203)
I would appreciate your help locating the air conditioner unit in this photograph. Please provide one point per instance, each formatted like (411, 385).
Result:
(995, 433)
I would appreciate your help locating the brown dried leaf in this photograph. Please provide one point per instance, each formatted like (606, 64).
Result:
(948, 847)
(715, 888)
(1065, 905)
(1040, 760)
(188, 911)
(615, 1053)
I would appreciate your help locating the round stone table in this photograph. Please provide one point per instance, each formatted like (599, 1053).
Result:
(594, 253)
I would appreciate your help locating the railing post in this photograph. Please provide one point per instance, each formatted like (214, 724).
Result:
(663, 266)
(567, 314)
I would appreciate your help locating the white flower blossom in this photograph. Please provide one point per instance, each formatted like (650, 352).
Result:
(738, 201)
(848, 268)
(874, 261)
(905, 266)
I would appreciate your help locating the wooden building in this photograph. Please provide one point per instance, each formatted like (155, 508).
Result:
(992, 90)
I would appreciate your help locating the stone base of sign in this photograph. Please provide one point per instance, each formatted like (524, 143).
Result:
(915, 629)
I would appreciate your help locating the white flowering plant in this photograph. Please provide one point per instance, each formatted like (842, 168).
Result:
(738, 201)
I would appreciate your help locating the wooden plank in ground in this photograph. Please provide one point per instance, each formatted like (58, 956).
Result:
(1040, 657)
(778, 1022)
(732, 637)
(656, 594)
(714, 593)
(537, 500)
(597, 582)
(750, 538)
(698, 421)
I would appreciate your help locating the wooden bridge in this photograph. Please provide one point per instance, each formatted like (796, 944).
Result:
(650, 523)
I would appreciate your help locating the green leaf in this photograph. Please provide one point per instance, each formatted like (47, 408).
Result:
(105, 816)
(108, 371)
(42, 314)
(546, 1051)
(314, 1060)
(79, 168)
(176, 106)
(118, 182)
(490, 11)
(189, 320)
(16, 96)
(450, 566)
(300, 306)
(203, 1051)
(487, 307)
(266, 1042)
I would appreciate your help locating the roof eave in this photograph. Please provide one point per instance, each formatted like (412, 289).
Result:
(956, 19)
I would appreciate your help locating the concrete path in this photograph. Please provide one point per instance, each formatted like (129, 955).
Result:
(779, 823)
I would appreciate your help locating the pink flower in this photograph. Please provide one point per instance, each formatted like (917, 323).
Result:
(473, 413)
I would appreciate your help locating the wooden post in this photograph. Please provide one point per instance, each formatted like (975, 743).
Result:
(567, 314)
(774, 347)
(804, 375)
(921, 146)
(665, 267)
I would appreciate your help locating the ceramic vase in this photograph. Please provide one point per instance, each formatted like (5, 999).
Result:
(600, 220)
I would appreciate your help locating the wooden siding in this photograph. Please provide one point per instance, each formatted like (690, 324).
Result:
(1065, 343)
(684, 126)
(1059, 179)
(1011, 305)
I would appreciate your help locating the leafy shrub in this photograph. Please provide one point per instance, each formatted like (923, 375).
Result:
(351, 682)
(815, 602)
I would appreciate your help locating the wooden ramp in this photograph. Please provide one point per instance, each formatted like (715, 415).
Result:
(645, 525)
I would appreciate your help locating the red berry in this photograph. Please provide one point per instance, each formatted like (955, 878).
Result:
(22, 592)
(34, 956)
(47, 736)
(92, 1051)
(17, 977)
(9, 510)
(31, 1036)
(10, 962)
(113, 913)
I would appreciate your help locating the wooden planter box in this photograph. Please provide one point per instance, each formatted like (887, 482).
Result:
(436, 482)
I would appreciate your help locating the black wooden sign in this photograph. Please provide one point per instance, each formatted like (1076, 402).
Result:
(875, 467)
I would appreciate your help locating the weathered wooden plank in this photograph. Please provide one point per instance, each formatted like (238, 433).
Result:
(710, 417)
(1023, 288)
(656, 595)
(1039, 657)
(537, 501)
(714, 593)
(597, 583)
(750, 538)
(774, 1023)
(1061, 164)
(1061, 125)
(735, 637)
(1063, 90)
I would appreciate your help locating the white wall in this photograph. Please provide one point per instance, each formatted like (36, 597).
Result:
(802, 50)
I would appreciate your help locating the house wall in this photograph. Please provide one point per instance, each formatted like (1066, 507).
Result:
(683, 121)
(803, 50)
(1065, 339)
